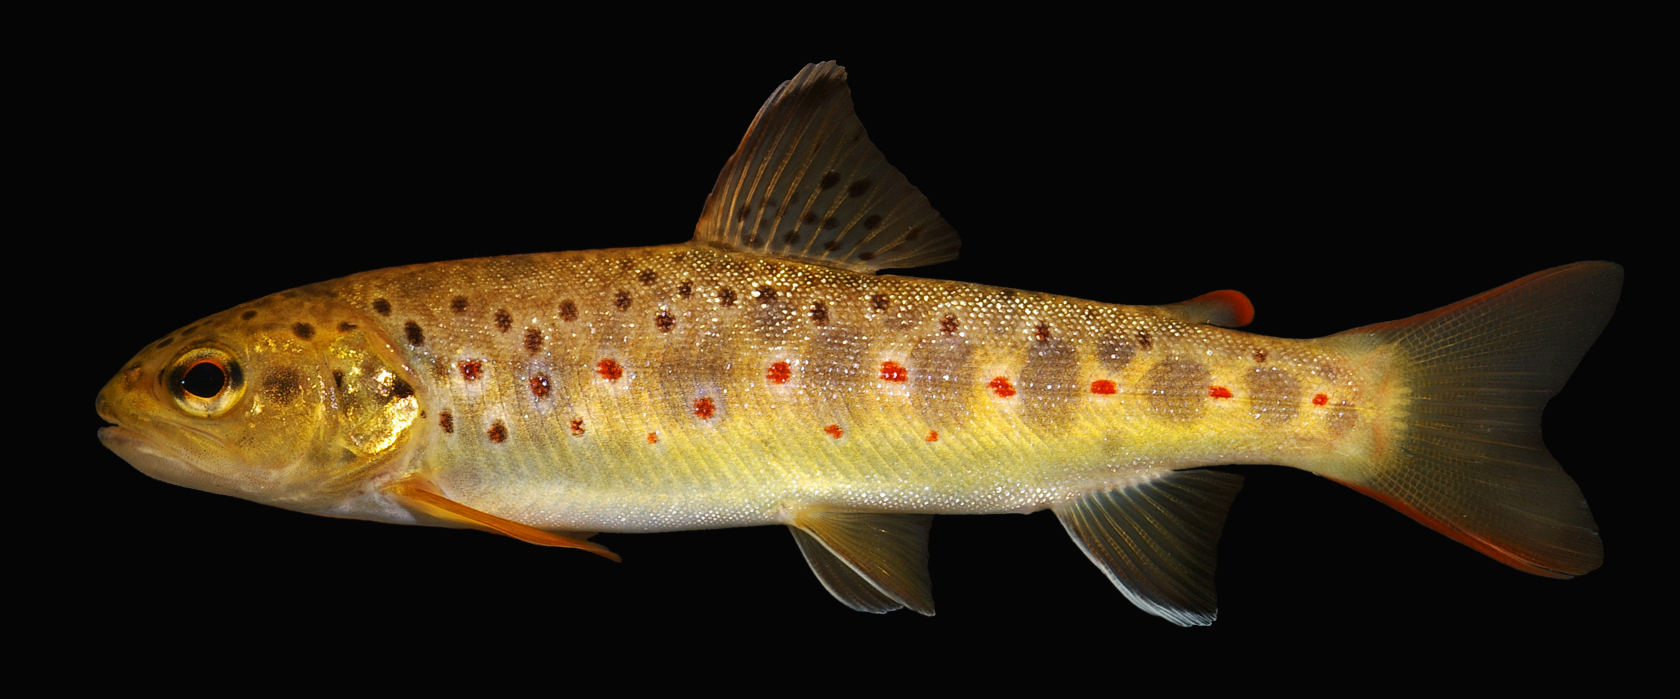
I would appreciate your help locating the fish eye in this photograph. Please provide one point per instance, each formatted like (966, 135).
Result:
(205, 381)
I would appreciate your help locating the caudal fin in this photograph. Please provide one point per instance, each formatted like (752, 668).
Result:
(1467, 459)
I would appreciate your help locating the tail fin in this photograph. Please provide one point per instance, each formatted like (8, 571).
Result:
(1468, 460)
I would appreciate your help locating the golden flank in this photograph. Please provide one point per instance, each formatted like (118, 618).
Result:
(764, 374)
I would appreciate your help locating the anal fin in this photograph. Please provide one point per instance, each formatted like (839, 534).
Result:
(886, 551)
(1158, 540)
(422, 495)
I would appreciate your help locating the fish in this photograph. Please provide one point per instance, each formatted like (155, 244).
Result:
(1604, 275)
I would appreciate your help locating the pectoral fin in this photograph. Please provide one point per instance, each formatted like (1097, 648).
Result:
(888, 551)
(423, 496)
(1158, 540)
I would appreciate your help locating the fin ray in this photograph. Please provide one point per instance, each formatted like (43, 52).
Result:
(1158, 540)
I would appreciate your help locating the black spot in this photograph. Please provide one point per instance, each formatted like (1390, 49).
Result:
(247, 315)
(791, 237)
(819, 313)
(346, 326)
(338, 379)
(1259, 355)
(647, 277)
(829, 180)
(948, 325)
(1041, 332)
(742, 214)
(282, 385)
(383, 306)
(873, 222)
(857, 188)
(766, 293)
(165, 343)
(726, 296)
(1144, 340)
(400, 389)
(415, 337)
(831, 222)
(458, 304)
(504, 320)
(568, 311)
(665, 321)
(533, 340)
(833, 245)
(880, 302)
(621, 300)
(447, 422)
(866, 256)
(685, 289)
(303, 331)
(808, 218)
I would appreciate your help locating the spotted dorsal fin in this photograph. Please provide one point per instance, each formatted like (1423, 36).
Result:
(807, 184)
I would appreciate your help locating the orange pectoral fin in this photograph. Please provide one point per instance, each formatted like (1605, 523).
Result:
(421, 495)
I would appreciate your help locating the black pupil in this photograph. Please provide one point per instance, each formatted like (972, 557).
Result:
(204, 380)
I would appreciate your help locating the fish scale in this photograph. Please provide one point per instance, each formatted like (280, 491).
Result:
(765, 374)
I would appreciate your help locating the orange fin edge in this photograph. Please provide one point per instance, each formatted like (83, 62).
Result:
(422, 495)
(1226, 308)
(1491, 549)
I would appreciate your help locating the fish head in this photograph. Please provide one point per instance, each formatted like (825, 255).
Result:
(296, 400)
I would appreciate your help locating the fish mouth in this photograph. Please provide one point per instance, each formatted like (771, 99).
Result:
(163, 461)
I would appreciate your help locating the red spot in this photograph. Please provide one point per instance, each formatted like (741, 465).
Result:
(1002, 387)
(1259, 355)
(653, 438)
(498, 433)
(834, 431)
(1219, 392)
(704, 409)
(1103, 387)
(539, 386)
(891, 371)
(471, 369)
(1321, 399)
(933, 435)
(577, 426)
(779, 373)
(609, 369)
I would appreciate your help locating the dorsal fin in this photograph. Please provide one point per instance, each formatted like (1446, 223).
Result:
(807, 184)
(1225, 308)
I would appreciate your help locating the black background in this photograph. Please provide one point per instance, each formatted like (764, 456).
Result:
(1335, 190)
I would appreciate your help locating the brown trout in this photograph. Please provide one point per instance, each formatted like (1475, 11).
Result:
(765, 374)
